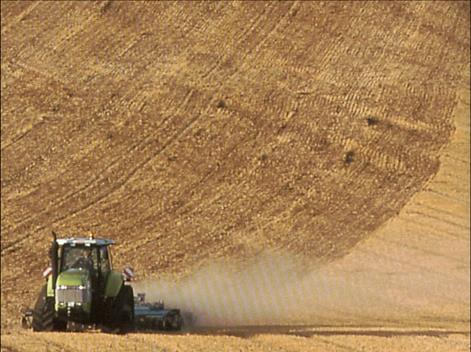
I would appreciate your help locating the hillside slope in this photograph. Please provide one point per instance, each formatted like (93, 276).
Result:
(191, 133)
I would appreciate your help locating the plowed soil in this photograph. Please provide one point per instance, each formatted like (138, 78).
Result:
(211, 140)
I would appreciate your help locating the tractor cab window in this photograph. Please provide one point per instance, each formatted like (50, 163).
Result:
(79, 257)
(104, 260)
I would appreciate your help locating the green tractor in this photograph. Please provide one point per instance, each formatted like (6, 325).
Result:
(83, 289)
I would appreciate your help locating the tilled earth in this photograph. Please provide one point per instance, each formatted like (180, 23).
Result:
(273, 339)
(336, 133)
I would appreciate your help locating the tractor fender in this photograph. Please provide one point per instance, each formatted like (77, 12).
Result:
(114, 281)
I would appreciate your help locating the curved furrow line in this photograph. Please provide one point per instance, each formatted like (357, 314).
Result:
(383, 257)
(241, 39)
(278, 24)
(41, 72)
(64, 85)
(254, 23)
(18, 138)
(446, 221)
(20, 17)
(190, 205)
(120, 182)
(103, 174)
(434, 230)
(253, 55)
(48, 76)
(76, 30)
(446, 196)
(201, 182)
(97, 178)
(440, 210)
(426, 251)
(462, 161)
(370, 152)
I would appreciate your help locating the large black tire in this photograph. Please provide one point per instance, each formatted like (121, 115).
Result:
(173, 322)
(60, 325)
(123, 310)
(43, 312)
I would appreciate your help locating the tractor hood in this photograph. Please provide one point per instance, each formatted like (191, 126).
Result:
(73, 277)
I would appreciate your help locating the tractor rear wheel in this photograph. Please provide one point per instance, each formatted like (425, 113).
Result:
(123, 309)
(43, 312)
(127, 311)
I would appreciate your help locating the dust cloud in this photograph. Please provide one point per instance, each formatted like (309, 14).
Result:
(275, 289)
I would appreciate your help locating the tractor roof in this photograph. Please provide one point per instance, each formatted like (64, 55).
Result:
(84, 241)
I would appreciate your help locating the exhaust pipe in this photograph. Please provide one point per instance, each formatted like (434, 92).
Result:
(53, 254)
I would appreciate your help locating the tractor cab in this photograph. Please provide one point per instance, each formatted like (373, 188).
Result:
(85, 254)
(84, 262)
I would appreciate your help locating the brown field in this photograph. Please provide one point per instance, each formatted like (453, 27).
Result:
(295, 174)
